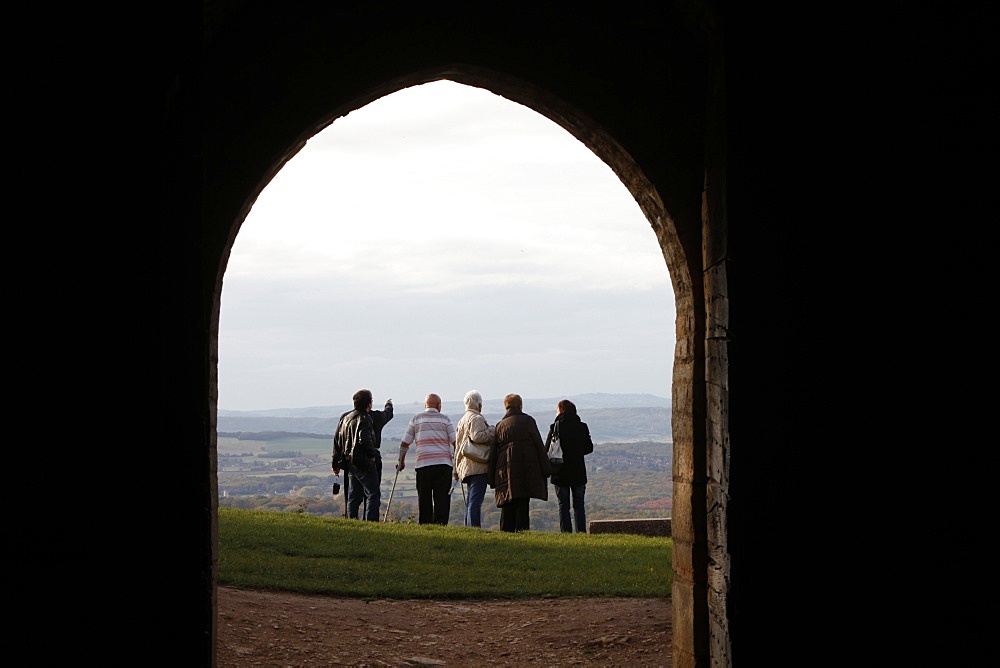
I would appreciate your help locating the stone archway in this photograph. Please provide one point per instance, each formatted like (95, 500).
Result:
(690, 567)
(640, 96)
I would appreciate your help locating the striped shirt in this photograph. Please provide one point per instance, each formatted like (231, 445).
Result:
(433, 436)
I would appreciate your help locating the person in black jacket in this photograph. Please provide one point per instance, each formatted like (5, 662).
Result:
(361, 497)
(355, 449)
(570, 477)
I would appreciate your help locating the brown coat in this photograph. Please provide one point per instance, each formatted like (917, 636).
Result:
(520, 465)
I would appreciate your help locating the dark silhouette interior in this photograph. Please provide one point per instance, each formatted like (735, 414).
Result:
(771, 152)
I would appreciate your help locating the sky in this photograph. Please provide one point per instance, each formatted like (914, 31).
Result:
(443, 239)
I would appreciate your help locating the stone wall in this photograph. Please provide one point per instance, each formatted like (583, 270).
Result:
(654, 526)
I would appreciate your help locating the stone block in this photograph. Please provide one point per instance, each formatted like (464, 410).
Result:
(655, 526)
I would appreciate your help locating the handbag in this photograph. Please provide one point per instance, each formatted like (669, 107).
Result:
(555, 449)
(477, 452)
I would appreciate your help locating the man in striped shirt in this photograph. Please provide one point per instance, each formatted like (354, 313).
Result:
(432, 436)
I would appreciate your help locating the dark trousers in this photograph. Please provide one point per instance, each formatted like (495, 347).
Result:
(433, 494)
(366, 490)
(514, 515)
(565, 494)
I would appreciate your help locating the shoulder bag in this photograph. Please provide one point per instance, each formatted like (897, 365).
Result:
(555, 447)
(477, 452)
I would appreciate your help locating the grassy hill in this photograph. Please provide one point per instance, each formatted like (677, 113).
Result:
(300, 553)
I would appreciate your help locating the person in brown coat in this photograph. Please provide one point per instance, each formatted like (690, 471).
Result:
(519, 468)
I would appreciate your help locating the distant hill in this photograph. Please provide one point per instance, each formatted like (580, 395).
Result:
(611, 417)
(591, 400)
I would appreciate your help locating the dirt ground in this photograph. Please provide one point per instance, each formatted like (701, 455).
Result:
(257, 628)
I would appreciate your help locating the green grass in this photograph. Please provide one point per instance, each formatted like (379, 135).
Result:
(302, 553)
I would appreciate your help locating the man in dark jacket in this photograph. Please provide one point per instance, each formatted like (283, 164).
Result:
(570, 477)
(358, 495)
(520, 467)
(354, 449)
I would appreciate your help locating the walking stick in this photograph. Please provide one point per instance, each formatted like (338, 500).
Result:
(466, 502)
(347, 490)
(386, 518)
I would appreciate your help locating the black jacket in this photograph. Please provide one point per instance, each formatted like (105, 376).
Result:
(574, 435)
(355, 436)
(379, 418)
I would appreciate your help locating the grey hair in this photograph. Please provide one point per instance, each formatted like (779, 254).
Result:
(473, 399)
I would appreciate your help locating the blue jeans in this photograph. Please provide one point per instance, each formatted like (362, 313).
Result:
(474, 501)
(579, 512)
(366, 488)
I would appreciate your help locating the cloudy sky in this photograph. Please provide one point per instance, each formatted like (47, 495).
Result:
(443, 239)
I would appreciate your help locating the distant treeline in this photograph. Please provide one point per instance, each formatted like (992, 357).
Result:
(626, 481)
(269, 435)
